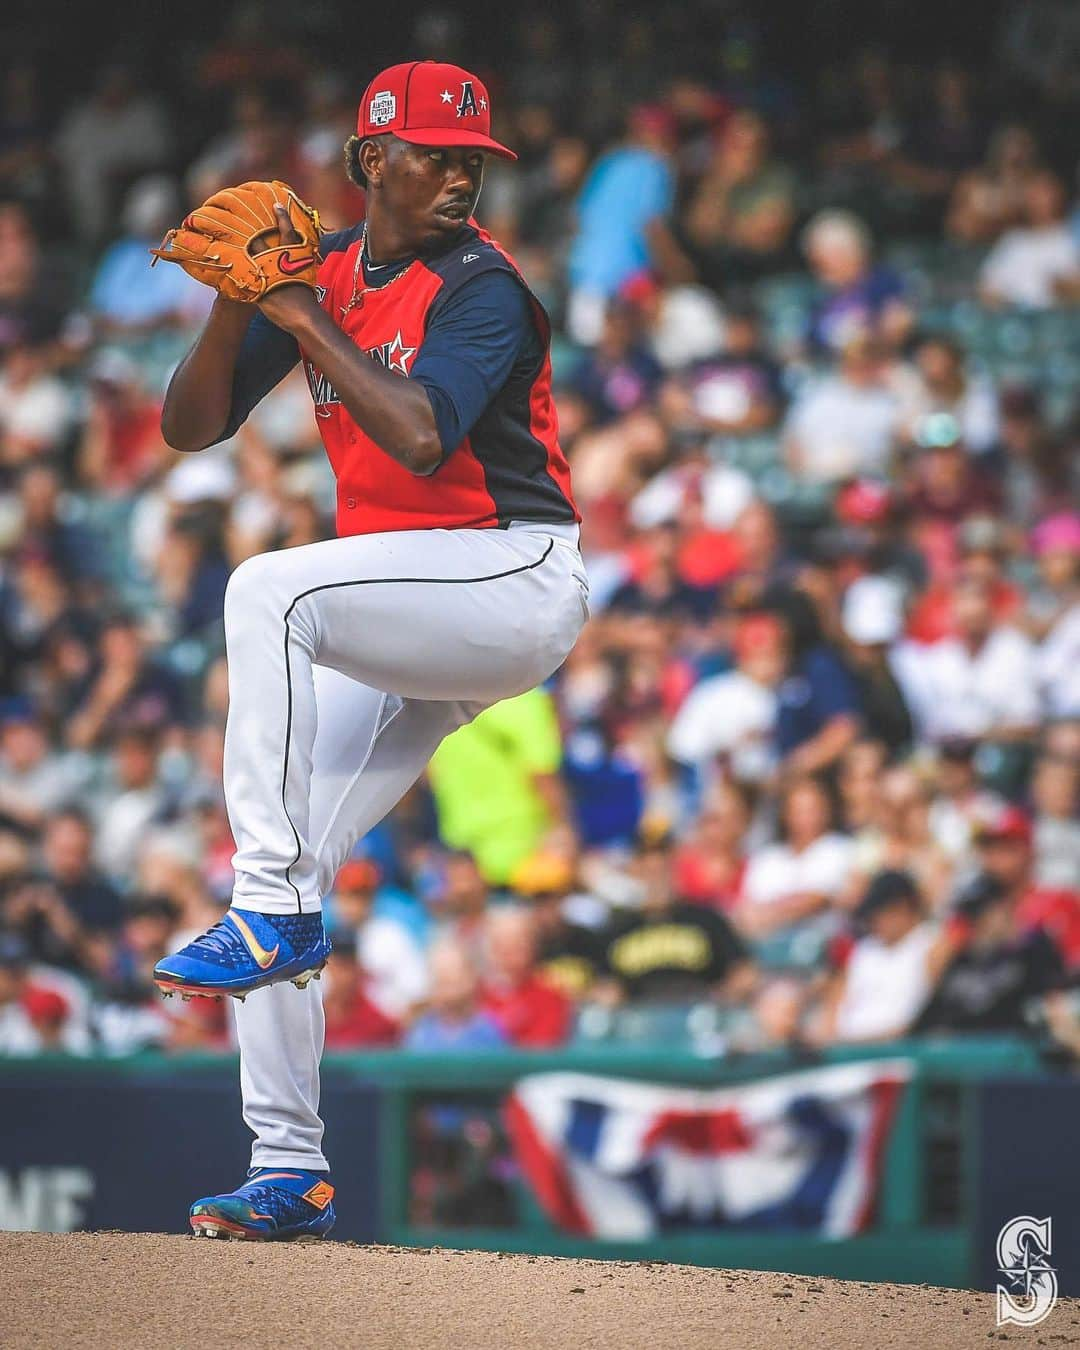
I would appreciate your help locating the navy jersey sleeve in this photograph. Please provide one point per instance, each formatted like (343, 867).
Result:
(266, 356)
(474, 343)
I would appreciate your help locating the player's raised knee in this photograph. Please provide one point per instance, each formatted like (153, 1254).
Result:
(256, 582)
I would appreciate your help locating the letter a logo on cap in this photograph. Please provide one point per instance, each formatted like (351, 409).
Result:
(467, 107)
(383, 109)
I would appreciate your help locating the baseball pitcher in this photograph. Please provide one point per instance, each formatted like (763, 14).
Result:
(455, 580)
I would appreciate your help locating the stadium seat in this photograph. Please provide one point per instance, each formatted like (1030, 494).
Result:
(755, 455)
(801, 948)
(798, 503)
(1004, 768)
(703, 1026)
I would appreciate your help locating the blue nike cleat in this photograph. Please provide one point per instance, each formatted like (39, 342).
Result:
(246, 951)
(274, 1205)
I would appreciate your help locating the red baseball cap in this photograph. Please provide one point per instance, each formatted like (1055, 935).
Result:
(429, 103)
(1006, 823)
(44, 1006)
(358, 874)
(863, 502)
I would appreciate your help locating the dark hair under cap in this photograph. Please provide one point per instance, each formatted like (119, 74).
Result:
(978, 895)
(888, 888)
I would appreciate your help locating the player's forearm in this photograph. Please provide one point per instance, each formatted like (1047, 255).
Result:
(199, 396)
(395, 413)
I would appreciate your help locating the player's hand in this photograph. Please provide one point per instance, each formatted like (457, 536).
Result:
(287, 232)
(286, 304)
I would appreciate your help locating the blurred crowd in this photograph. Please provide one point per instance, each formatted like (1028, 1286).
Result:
(810, 776)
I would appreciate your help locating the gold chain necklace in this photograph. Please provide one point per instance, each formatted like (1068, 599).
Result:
(356, 300)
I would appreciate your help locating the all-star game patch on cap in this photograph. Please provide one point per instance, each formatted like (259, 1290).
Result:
(429, 103)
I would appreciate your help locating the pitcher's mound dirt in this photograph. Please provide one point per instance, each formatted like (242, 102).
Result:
(120, 1290)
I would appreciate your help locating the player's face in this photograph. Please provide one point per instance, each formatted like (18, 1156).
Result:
(431, 190)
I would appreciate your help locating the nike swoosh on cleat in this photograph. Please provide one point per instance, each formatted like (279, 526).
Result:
(263, 958)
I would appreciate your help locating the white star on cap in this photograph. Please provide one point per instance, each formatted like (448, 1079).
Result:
(447, 96)
(483, 102)
(397, 355)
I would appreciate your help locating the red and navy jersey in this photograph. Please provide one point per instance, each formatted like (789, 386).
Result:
(502, 461)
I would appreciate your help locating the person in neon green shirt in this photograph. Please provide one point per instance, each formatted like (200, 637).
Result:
(496, 784)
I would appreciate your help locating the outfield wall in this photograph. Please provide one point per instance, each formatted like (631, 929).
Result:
(982, 1133)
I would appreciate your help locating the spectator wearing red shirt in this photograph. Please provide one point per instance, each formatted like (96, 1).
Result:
(122, 447)
(353, 1021)
(710, 867)
(982, 547)
(657, 587)
(1005, 844)
(707, 556)
(531, 1012)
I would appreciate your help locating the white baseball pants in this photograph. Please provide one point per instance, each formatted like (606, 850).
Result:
(349, 661)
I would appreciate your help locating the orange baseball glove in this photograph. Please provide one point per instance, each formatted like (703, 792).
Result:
(233, 242)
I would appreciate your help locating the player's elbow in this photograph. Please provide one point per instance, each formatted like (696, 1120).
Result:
(187, 446)
(181, 434)
(423, 455)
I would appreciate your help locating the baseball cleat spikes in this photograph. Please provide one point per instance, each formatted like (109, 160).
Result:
(302, 981)
(223, 1231)
(186, 993)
